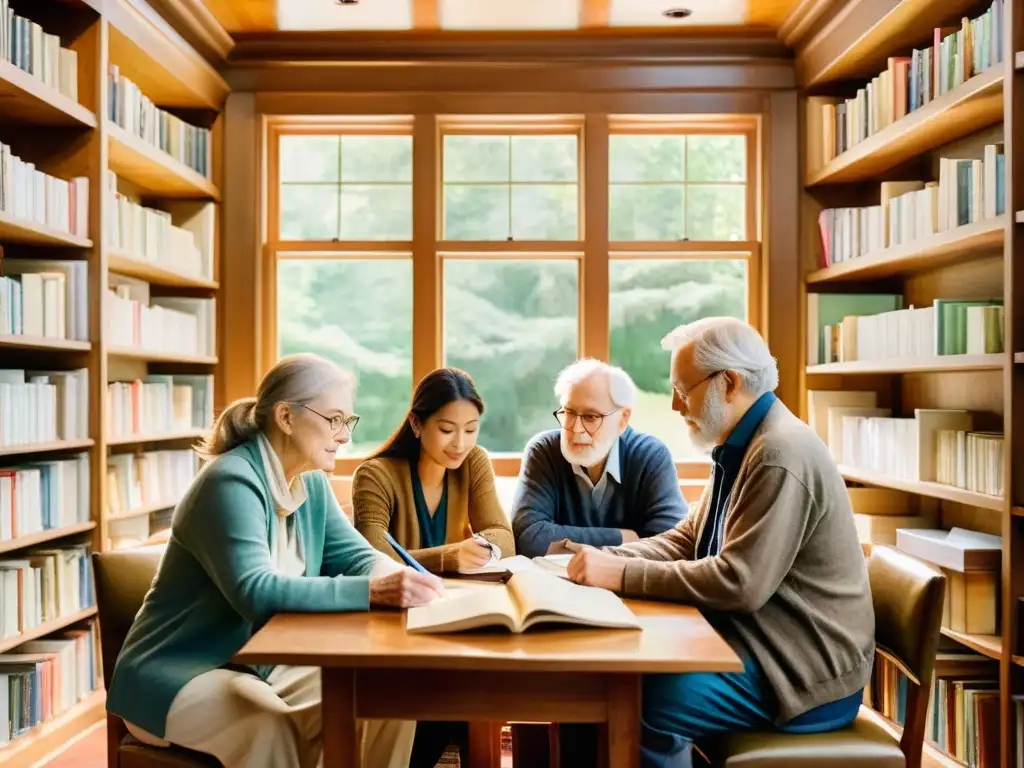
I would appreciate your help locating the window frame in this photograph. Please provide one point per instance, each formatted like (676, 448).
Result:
(592, 250)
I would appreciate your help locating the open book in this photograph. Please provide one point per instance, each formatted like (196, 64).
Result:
(528, 598)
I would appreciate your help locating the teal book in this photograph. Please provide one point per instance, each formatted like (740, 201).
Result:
(827, 310)
(951, 323)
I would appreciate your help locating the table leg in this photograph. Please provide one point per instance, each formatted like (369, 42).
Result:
(623, 731)
(342, 743)
(484, 744)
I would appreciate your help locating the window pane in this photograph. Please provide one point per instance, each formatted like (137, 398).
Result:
(376, 158)
(648, 299)
(544, 158)
(544, 212)
(476, 158)
(358, 314)
(645, 158)
(473, 212)
(646, 212)
(716, 158)
(512, 325)
(309, 211)
(376, 212)
(308, 158)
(715, 212)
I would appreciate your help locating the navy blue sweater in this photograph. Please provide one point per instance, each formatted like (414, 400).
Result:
(549, 505)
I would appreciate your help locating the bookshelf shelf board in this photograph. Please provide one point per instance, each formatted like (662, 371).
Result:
(1018, 357)
(937, 364)
(151, 356)
(152, 169)
(156, 274)
(15, 230)
(923, 488)
(190, 434)
(26, 99)
(1018, 60)
(910, 23)
(46, 628)
(58, 445)
(976, 104)
(1019, 217)
(46, 738)
(941, 249)
(1018, 660)
(33, 539)
(142, 511)
(1018, 511)
(986, 645)
(43, 343)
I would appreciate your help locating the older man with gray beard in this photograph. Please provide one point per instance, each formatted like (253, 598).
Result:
(770, 555)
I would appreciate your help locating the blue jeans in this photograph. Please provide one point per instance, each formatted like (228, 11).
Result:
(680, 709)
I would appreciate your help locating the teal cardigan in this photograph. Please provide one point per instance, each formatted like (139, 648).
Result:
(216, 585)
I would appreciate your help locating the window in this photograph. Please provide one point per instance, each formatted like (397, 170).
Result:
(677, 187)
(512, 325)
(511, 187)
(358, 313)
(346, 187)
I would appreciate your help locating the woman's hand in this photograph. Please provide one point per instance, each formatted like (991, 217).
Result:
(472, 553)
(405, 589)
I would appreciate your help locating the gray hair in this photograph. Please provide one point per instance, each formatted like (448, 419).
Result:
(620, 385)
(728, 344)
(295, 379)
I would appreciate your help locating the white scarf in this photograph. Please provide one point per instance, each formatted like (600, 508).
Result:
(288, 496)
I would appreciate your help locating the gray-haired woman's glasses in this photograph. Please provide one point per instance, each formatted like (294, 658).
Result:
(337, 421)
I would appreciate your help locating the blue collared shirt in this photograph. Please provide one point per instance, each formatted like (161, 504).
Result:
(601, 494)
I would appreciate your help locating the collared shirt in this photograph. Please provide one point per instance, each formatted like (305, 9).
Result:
(601, 494)
(727, 459)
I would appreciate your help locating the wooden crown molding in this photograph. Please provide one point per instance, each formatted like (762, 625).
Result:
(548, 46)
(198, 26)
(807, 19)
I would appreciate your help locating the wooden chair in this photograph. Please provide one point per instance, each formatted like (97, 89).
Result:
(907, 596)
(122, 580)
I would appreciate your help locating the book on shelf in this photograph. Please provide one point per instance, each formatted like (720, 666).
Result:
(154, 236)
(908, 83)
(43, 496)
(826, 312)
(133, 111)
(42, 679)
(44, 298)
(160, 404)
(43, 406)
(971, 460)
(153, 477)
(30, 194)
(26, 45)
(527, 599)
(43, 585)
(168, 325)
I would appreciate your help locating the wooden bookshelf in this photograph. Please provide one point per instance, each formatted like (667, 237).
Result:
(986, 645)
(23, 232)
(27, 99)
(43, 343)
(153, 170)
(149, 356)
(937, 364)
(953, 246)
(35, 539)
(33, 747)
(46, 628)
(146, 509)
(155, 273)
(923, 488)
(1018, 357)
(36, 448)
(170, 437)
(976, 104)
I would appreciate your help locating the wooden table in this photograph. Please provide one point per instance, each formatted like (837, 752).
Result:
(373, 669)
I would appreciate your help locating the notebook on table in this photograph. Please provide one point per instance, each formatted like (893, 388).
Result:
(528, 598)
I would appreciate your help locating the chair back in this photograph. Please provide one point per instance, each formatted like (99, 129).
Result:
(123, 577)
(908, 596)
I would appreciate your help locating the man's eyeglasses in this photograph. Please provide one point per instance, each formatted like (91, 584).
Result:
(591, 421)
(337, 422)
(684, 395)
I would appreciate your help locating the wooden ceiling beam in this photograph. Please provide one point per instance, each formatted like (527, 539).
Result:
(425, 14)
(594, 13)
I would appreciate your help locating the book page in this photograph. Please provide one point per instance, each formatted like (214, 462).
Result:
(465, 608)
(543, 596)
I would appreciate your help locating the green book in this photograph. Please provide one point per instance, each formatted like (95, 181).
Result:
(825, 310)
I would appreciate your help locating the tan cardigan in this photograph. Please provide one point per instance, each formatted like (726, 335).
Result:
(382, 501)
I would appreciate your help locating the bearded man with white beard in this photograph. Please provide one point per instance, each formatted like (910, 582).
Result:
(769, 554)
(596, 479)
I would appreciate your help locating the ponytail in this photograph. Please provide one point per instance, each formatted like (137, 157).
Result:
(235, 425)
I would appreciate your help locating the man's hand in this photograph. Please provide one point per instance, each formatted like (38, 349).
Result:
(595, 568)
(405, 589)
(629, 535)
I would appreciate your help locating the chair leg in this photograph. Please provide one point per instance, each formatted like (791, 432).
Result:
(116, 731)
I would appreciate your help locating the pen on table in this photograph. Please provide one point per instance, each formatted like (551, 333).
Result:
(406, 557)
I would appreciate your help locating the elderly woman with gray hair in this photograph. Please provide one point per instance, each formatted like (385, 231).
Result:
(259, 532)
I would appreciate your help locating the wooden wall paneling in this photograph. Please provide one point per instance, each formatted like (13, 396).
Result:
(427, 267)
(594, 273)
(783, 275)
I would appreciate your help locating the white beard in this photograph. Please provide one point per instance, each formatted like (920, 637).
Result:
(592, 454)
(707, 428)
